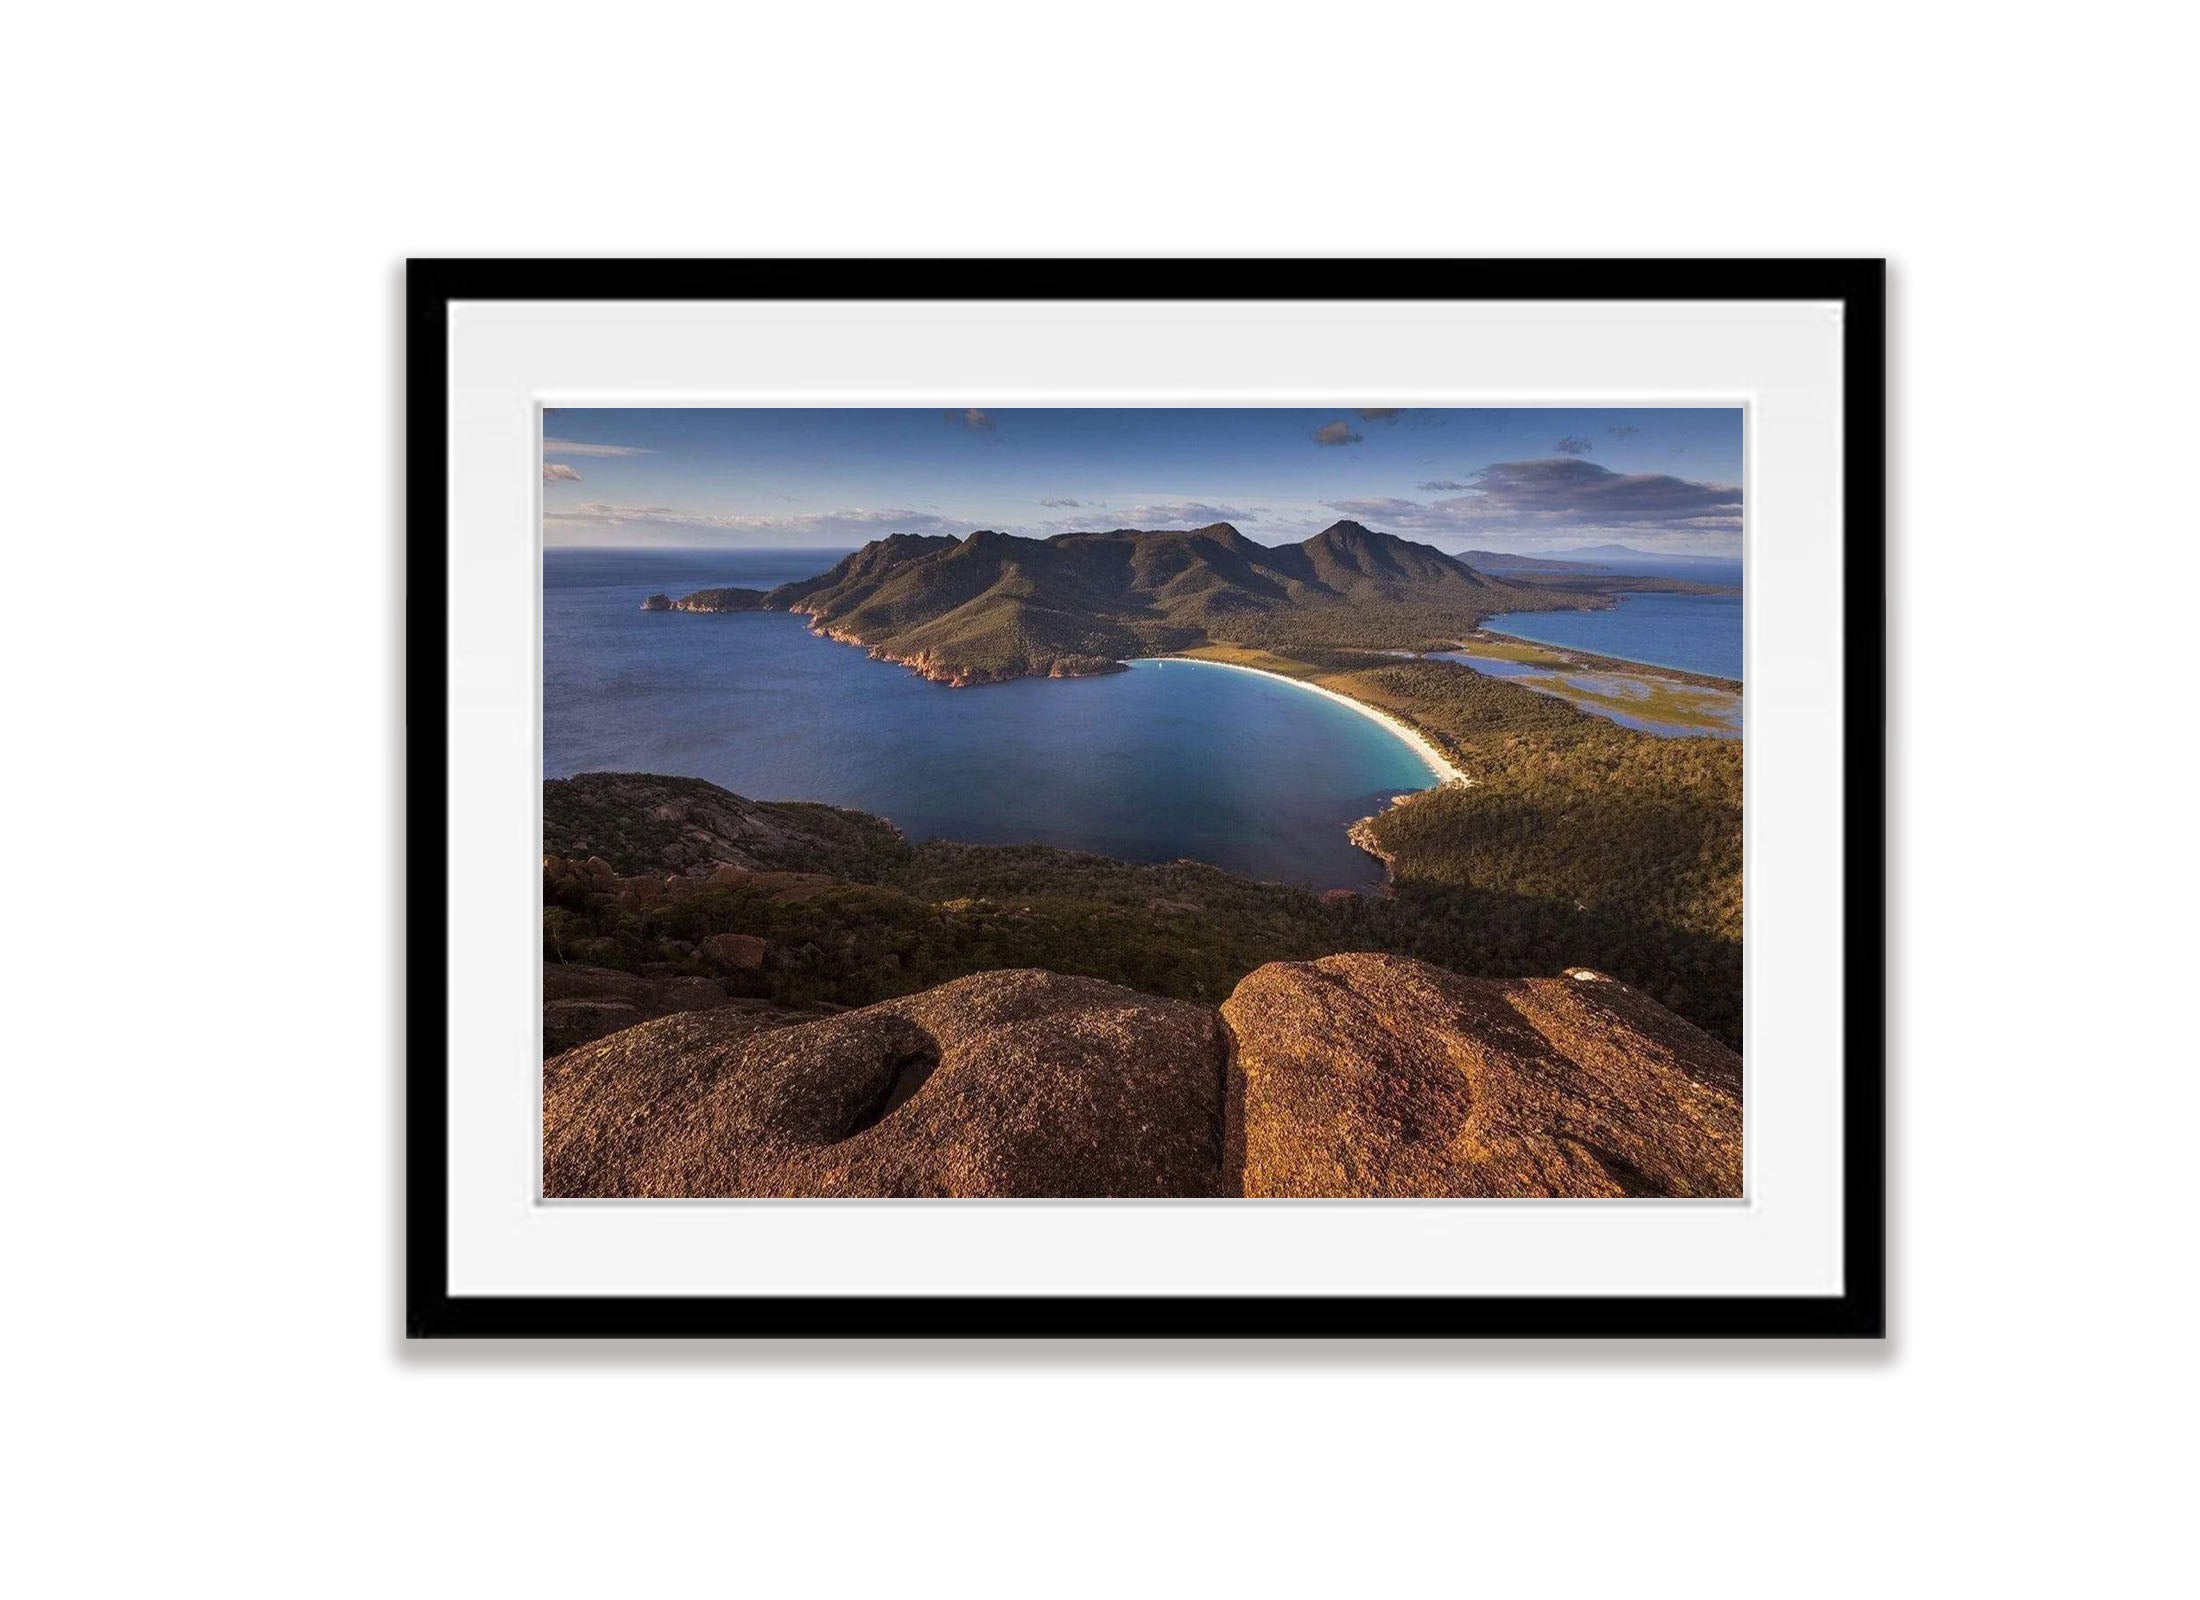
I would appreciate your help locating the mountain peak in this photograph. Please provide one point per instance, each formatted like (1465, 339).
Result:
(1349, 531)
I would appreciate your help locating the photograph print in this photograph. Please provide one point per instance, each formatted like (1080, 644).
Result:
(1142, 803)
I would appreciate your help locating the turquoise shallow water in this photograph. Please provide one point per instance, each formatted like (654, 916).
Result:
(1168, 759)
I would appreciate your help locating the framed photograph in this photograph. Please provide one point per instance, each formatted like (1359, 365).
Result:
(1146, 798)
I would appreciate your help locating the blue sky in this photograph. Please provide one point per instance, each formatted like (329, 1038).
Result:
(1661, 479)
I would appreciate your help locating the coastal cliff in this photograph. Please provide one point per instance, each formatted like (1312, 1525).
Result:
(944, 668)
(728, 599)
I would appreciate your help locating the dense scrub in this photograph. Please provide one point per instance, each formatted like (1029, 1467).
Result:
(1189, 932)
(1578, 839)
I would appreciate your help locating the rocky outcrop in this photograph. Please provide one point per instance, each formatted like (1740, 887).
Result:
(1362, 1075)
(717, 600)
(736, 952)
(581, 1003)
(1018, 1083)
(1354, 1075)
(644, 823)
(657, 602)
(936, 667)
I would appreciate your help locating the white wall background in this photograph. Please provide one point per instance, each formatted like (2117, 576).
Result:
(207, 208)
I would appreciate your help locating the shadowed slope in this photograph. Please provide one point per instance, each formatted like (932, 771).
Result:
(641, 822)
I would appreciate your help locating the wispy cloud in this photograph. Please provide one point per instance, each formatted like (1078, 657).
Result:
(1384, 506)
(1177, 514)
(1334, 433)
(1572, 445)
(559, 472)
(1375, 414)
(1624, 431)
(1440, 486)
(972, 418)
(1566, 497)
(1057, 500)
(856, 523)
(574, 447)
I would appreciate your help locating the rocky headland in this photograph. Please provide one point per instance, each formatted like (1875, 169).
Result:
(728, 599)
(649, 823)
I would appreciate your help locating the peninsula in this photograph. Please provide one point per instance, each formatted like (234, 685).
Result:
(994, 606)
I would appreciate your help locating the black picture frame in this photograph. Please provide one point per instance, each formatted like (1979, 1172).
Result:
(1859, 1311)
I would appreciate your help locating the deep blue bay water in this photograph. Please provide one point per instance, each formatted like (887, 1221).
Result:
(1691, 632)
(1165, 760)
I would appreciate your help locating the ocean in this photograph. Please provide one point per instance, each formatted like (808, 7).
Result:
(1691, 632)
(1167, 760)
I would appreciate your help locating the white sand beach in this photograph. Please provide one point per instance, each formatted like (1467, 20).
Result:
(1422, 746)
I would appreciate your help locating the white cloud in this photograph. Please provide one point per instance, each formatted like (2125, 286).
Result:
(856, 522)
(1176, 513)
(559, 472)
(573, 447)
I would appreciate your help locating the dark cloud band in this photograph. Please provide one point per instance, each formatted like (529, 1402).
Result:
(1564, 494)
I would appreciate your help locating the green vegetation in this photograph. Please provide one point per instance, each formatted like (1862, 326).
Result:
(1303, 666)
(1501, 647)
(1658, 701)
(1181, 930)
(1577, 842)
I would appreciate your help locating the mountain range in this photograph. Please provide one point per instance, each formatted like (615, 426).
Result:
(994, 606)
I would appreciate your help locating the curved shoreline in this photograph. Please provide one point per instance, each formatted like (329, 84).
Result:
(1418, 742)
